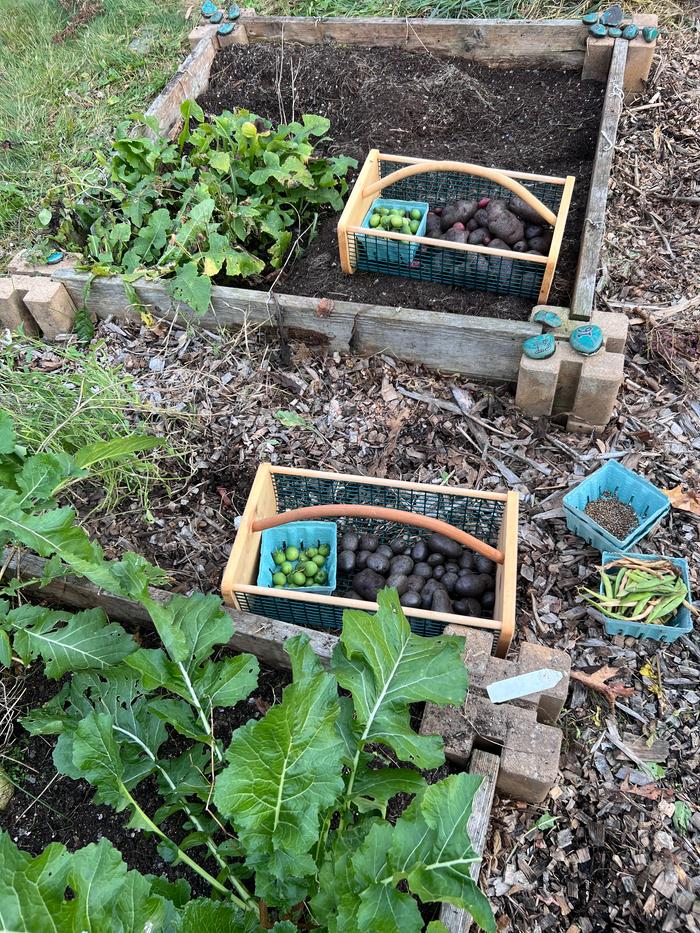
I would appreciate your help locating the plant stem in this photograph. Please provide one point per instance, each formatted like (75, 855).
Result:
(184, 857)
(198, 706)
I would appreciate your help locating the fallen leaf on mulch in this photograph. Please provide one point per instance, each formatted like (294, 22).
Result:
(688, 500)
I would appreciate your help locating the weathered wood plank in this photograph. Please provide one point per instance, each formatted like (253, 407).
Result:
(498, 43)
(189, 81)
(260, 636)
(594, 224)
(456, 919)
(481, 348)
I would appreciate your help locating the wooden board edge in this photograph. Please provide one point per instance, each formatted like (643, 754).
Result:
(356, 207)
(508, 542)
(258, 635)
(583, 294)
(233, 570)
(484, 765)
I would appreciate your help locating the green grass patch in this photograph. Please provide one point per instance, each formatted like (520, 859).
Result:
(60, 101)
(75, 397)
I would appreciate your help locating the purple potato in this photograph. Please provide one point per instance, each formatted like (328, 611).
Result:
(435, 559)
(410, 599)
(399, 582)
(368, 583)
(419, 551)
(349, 541)
(422, 569)
(368, 542)
(378, 562)
(346, 561)
(402, 564)
(415, 583)
(361, 559)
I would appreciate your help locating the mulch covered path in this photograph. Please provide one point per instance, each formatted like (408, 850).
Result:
(611, 858)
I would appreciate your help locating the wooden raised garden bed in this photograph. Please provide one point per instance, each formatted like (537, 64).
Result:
(480, 347)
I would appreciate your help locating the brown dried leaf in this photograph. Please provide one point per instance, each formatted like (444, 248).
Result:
(688, 500)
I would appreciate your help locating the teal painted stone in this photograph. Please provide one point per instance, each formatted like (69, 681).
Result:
(650, 33)
(598, 31)
(233, 12)
(548, 318)
(614, 32)
(208, 8)
(630, 32)
(216, 17)
(589, 18)
(55, 257)
(613, 16)
(587, 339)
(225, 29)
(540, 347)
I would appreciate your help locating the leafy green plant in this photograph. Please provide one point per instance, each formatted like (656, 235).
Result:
(86, 404)
(287, 822)
(226, 201)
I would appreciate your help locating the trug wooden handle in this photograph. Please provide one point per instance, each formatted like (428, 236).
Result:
(465, 168)
(334, 510)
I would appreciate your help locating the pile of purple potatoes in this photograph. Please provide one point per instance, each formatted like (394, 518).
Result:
(435, 573)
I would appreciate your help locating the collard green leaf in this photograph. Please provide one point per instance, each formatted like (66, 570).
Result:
(42, 474)
(7, 433)
(386, 667)
(217, 917)
(374, 788)
(88, 890)
(66, 641)
(96, 756)
(191, 288)
(283, 771)
(381, 907)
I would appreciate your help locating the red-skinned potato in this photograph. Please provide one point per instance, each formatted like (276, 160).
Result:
(473, 224)
(458, 226)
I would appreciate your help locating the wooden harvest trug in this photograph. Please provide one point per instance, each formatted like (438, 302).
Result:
(486, 521)
(479, 267)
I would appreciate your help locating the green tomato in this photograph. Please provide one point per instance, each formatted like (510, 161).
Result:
(298, 578)
(311, 552)
(321, 578)
(400, 211)
(279, 586)
(287, 567)
(319, 560)
(310, 569)
(414, 225)
(415, 214)
(383, 211)
(292, 553)
(324, 550)
(386, 221)
(279, 579)
(396, 222)
(375, 220)
(278, 557)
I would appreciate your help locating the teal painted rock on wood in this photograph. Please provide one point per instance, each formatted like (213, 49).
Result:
(589, 18)
(598, 31)
(614, 32)
(650, 33)
(225, 29)
(216, 17)
(630, 32)
(548, 318)
(539, 348)
(587, 339)
(233, 12)
(613, 16)
(208, 8)
(53, 258)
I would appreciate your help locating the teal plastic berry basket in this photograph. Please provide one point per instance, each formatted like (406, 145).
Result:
(300, 535)
(374, 254)
(681, 624)
(648, 502)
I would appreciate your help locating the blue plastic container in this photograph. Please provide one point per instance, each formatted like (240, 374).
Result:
(680, 625)
(378, 250)
(300, 535)
(648, 502)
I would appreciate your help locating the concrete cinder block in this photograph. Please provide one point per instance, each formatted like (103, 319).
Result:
(601, 377)
(613, 325)
(20, 265)
(537, 384)
(534, 657)
(205, 30)
(529, 758)
(51, 306)
(13, 311)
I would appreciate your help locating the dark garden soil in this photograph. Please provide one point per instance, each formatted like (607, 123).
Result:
(418, 104)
